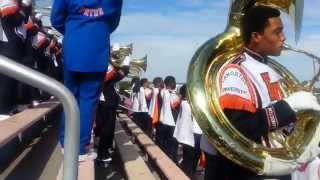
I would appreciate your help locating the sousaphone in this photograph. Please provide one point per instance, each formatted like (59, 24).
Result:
(137, 66)
(117, 57)
(300, 146)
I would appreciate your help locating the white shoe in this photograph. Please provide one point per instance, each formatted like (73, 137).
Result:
(89, 156)
(35, 103)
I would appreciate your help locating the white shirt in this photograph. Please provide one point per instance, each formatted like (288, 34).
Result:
(155, 92)
(241, 81)
(183, 131)
(252, 83)
(168, 99)
(144, 93)
(135, 100)
(142, 101)
(196, 127)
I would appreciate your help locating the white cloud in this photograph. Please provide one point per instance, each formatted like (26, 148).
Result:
(170, 39)
(183, 23)
(167, 55)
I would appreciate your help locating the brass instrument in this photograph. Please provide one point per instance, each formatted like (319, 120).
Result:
(137, 66)
(310, 85)
(117, 57)
(202, 82)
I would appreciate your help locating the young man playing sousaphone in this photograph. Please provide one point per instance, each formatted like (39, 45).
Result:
(250, 92)
(107, 107)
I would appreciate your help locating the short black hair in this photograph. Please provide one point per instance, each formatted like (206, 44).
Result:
(256, 19)
(157, 82)
(134, 80)
(170, 81)
(143, 80)
(183, 91)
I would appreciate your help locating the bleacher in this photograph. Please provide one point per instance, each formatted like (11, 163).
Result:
(20, 136)
(29, 140)
(30, 149)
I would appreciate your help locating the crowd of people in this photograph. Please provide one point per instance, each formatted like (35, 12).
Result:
(249, 90)
(24, 39)
(163, 112)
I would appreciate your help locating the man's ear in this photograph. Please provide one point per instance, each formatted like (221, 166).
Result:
(255, 37)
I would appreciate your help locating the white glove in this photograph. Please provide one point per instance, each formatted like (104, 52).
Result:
(302, 100)
(126, 61)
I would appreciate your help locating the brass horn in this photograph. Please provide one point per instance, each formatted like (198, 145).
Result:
(118, 56)
(137, 66)
(203, 94)
(311, 83)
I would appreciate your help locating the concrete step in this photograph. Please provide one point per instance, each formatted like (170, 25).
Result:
(39, 160)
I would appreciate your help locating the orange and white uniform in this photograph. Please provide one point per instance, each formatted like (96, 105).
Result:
(250, 95)
(170, 102)
(154, 108)
(144, 96)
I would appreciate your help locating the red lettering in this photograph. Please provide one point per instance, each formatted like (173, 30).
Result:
(92, 12)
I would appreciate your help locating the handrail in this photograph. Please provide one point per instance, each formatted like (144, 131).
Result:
(72, 134)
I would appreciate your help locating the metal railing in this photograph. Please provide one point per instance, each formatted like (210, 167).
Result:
(33, 78)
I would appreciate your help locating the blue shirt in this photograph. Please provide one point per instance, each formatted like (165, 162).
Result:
(86, 26)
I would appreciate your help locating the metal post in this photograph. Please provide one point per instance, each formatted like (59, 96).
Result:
(70, 107)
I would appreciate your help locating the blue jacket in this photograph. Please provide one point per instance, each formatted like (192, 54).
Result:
(86, 26)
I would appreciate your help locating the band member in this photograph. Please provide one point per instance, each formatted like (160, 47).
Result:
(86, 26)
(154, 109)
(142, 117)
(188, 133)
(28, 94)
(168, 116)
(134, 95)
(106, 113)
(250, 92)
(13, 34)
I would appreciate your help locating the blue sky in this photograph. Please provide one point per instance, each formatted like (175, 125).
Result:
(170, 31)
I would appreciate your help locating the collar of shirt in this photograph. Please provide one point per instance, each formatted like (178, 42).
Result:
(256, 55)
